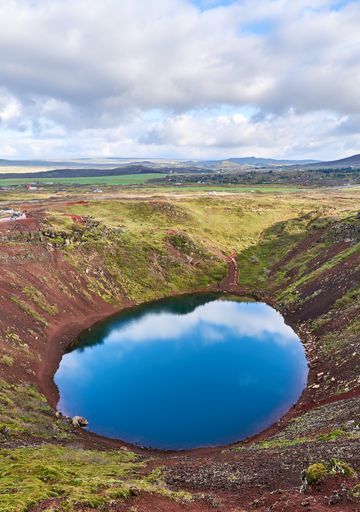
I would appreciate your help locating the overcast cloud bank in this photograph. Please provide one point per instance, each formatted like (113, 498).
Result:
(277, 78)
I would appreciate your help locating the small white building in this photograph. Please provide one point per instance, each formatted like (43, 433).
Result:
(9, 215)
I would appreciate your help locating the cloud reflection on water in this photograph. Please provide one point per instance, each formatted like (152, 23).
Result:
(253, 320)
(233, 367)
(213, 322)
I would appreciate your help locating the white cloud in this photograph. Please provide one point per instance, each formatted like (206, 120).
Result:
(83, 67)
(288, 133)
(212, 318)
(10, 109)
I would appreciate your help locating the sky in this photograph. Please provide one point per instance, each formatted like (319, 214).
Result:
(197, 79)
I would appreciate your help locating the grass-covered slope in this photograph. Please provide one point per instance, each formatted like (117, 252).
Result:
(72, 263)
(311, 266)
(69, 479)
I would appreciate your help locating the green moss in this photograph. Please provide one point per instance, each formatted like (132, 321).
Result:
(28, 309)
(349, 298)
(274, 243)
(24, 410)
(118, 492)
(39, 299)
(185, 244)
(7, 360)
(280, 443)
(80, 478)
(339, 467)
(13, 339)
(290, 294)
(331, 436)
(355, 491)
(315, 473)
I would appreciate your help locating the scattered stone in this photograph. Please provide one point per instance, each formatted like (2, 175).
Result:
(335, 499)
(79, 421)
(353, 426)
(4, 430)
(305, 503)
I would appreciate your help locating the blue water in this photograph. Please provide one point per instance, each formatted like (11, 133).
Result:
(197, 370)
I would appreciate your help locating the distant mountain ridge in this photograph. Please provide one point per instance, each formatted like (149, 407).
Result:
(252, 160)
(267, 161)
(350, 161)
(36, 163)
(82, 163)
(88, 167)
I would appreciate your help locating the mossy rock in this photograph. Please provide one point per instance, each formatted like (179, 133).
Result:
(315, 473)
(355, 491)
(339, 467)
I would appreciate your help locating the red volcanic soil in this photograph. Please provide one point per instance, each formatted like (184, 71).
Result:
(76, 218)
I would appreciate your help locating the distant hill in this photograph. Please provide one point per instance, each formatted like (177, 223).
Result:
(81, 163)
(81, 173)
(36, 163)
(350, 161)
(253, 161)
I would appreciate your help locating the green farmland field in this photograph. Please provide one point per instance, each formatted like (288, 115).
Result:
(131, 179)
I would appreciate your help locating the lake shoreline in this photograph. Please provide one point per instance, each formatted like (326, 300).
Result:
(62, 336)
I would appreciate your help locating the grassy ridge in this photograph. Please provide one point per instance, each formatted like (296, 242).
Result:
(220, 224)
